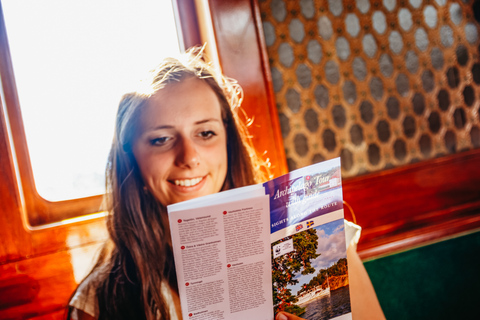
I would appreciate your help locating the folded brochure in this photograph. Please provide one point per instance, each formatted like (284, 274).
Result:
(250, 252)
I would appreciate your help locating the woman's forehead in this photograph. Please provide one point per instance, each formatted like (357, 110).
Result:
(190, 101)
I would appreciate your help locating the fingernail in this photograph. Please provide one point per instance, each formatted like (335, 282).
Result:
(281, 316)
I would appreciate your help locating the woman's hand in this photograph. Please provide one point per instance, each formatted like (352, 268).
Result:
(287, 316)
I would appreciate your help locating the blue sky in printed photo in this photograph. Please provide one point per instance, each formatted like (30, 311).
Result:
(331, 247)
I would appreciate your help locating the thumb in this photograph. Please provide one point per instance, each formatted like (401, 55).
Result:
(287, 316)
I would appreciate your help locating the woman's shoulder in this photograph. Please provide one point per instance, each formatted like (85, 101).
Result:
(85, 298)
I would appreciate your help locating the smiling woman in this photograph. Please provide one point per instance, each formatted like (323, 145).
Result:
(178, 138)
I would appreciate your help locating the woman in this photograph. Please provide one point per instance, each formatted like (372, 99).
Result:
(177, 138)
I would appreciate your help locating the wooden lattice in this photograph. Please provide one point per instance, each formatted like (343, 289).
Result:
(379, 83)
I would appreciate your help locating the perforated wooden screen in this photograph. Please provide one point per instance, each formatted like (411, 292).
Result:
(379, 83)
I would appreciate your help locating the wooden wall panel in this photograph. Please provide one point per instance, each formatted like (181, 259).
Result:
(12, 245)
(70, 235)
(57, 315)
(187, 23)
(417, 204)
(42, 285)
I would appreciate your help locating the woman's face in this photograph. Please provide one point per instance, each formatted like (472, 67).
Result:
(181, 148)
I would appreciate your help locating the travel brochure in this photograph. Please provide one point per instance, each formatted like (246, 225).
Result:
(250, 252)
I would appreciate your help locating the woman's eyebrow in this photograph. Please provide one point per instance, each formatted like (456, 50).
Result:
(166, 126)
(208, 120)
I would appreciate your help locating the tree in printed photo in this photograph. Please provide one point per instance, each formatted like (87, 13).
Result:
(287, 266)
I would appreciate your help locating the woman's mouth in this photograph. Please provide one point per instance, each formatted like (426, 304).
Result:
(188, 182)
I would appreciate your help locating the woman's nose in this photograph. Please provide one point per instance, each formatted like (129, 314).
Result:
(187, 155)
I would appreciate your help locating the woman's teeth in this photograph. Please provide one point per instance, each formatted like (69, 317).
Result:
(188, 182)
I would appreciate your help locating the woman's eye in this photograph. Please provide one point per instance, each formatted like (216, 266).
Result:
(207, 134)
(159, 141)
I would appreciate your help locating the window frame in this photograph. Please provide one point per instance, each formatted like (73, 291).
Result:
(39, 210)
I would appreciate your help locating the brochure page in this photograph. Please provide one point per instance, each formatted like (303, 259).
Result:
(222, 259)
(309, 265)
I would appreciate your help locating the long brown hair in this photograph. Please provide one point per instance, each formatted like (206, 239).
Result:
(140, 261)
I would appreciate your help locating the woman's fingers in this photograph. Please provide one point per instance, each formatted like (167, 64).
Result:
(287, 316)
